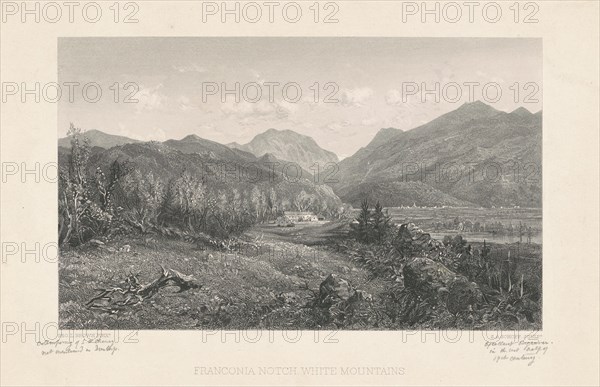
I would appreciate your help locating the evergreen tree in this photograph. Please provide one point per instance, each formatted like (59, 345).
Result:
(364, 229)
(380, 222)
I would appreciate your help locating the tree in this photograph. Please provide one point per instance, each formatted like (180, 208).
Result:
(143, 197)
(74, 189)
(271, 200)
(255, 199)
(86, 204)
(364, 228)
(184, 202)
(380, 222)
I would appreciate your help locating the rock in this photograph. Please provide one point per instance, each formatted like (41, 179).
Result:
(426, 275)
(435, 281)
(364, 296)
(411, 239)
(288, 298)
(463, 295)
(335, 288)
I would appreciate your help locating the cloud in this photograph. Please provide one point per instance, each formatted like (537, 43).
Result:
(489, 78)
(155, 134)
(393, 97)
(407, 102)
(355, 97)
(149, 98)
(190, 68)
(256, 75)
(251, 112)
(370, 121)
(337, 126)
(185, 104)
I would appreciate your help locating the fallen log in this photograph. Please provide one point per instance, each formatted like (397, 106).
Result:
(133, 293)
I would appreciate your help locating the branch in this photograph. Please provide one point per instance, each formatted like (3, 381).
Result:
(133, 293)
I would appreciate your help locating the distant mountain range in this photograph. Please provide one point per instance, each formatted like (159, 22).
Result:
(207, 148)
(99, 139)
(226, 173)
(472, 156)
(290, 146)
(284, 145)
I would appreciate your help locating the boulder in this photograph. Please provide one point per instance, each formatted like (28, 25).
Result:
(335, 288)
(463, 295)
(413, 239)
(435, 281)
(426, 275)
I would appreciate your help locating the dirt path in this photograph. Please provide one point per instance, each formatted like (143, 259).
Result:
(309, 234)
(307, 253)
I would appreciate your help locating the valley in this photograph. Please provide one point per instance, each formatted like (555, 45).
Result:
(438, 227)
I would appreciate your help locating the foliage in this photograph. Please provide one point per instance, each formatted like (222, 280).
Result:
(86, 201)
(371, 226)
(510, 285)
(101, 196)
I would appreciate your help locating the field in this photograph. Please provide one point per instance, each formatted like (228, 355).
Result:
(264, 287)
(271, 281)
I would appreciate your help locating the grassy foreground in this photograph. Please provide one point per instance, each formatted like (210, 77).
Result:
(273, 280)
(265, 287)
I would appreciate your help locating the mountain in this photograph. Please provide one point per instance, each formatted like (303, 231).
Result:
(226, 174)
(383, 136)
(521, 112)
(289, 146)
(209, 149)
(99, 139)
(403, 193)
(473, 155)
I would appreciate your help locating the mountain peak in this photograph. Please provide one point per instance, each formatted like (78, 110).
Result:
(191, 137)
(476, 106)
(473, 111)
(288, 145)
(281, 132)
(521, 112)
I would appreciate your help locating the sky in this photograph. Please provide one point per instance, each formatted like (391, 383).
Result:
(364, 84)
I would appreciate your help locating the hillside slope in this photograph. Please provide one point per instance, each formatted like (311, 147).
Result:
(474, 154)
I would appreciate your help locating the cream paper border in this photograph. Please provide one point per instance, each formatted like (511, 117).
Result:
(570, 172)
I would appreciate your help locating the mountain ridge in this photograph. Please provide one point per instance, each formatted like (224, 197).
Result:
(288, 145)
(100, 139)
(472, 137)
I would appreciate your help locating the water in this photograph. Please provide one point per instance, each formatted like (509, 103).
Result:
(425, 217)
(488, 237)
